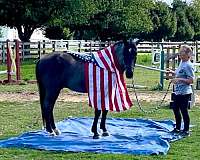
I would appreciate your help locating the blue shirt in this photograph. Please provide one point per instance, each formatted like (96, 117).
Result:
(186, 71)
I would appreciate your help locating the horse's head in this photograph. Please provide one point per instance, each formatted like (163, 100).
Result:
(126, 52)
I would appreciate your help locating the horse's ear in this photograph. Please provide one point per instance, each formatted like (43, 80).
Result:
(137, 41)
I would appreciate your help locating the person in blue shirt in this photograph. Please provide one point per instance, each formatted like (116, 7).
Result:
(183, 78)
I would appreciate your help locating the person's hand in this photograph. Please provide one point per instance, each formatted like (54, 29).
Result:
(175, 80)
(170, 71)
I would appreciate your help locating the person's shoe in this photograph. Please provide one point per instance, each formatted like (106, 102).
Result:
(175, 131)
(185, 133)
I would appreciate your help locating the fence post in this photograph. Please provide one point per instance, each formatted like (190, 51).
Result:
(43, 47)
(79, 46)
(196, 47)
(3, 53)
(167, 63)
(39, 49)
(90, 46)
(23, 53)
(54, 46)
(67, 45)
(174, 58)
(162, 59)
(17, 60)
(8, 61)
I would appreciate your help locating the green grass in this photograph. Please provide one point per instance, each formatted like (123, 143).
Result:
(19, 117)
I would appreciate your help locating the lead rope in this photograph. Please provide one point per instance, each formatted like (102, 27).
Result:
(139, 104)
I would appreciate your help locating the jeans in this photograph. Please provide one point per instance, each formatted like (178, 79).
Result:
(180, 109)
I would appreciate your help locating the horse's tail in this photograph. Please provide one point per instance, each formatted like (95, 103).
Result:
(41, 91)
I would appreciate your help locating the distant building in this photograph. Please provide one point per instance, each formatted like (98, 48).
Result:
(11, 34)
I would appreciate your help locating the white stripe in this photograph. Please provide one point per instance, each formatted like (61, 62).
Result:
(98, 85)
(120, 83)
(91, 82)
(113, 90)
(107, 59)
(119, 102)
(100, 63)
(106, 90)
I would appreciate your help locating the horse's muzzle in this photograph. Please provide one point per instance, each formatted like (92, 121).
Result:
(129, 73)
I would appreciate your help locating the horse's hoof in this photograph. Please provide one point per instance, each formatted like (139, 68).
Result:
(52, 134)
(104, 134)
(96, 136)
(57, 131)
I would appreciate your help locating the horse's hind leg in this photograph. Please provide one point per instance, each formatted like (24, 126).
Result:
(94, 125)
(103, 123)
(50, 102)
(53, 126)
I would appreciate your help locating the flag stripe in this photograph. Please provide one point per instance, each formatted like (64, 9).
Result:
(110, 89)
(94, 88)
(107, 88)
(102, 89)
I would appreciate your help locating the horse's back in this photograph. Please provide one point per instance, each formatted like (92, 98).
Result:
(61, 70)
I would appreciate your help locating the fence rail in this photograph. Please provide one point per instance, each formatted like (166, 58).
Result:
(37, 49)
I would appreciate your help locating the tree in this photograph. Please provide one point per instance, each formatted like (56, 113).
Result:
(75, 16)
(185, 30)
(193, 14)
(164, 22)
(116, 19)
(26, 16)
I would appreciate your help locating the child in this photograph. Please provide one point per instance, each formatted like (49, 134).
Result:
(184, 77)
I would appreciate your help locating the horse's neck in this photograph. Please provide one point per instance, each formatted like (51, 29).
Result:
(120, 58)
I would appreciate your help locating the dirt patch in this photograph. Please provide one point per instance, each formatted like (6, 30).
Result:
(78, 97)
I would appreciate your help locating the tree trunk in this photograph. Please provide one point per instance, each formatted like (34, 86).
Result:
(25, 33)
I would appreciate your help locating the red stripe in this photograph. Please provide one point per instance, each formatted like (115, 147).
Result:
(102, 89)
(86, 69)
(109, 56)
(103, 60)
(126, 91)
(116, 104)
(86, 77)
(113, 65)
(95, 87)
(110, 90)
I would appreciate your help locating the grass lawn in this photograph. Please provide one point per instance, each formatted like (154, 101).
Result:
(19, 117)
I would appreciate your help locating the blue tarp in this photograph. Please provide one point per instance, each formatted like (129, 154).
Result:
(127, 136)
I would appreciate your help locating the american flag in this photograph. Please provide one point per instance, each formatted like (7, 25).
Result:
(105, 82)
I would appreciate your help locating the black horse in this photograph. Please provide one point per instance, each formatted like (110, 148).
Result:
(62, 70)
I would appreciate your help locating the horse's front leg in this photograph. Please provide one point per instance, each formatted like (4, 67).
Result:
(103, 123)
(94, 125)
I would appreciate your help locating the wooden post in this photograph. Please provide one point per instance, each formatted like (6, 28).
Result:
(173, 59)
(167, 63)
(196, 47)
(54, 46)
(17, 60)
(23, 53)
(162, 60)
(90, 46)
(43, 46)
(79, 46)
(39, 49)
(67, 45)
(8, 61)
(3, 53)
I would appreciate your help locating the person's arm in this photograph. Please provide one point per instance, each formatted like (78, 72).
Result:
(183, 80)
